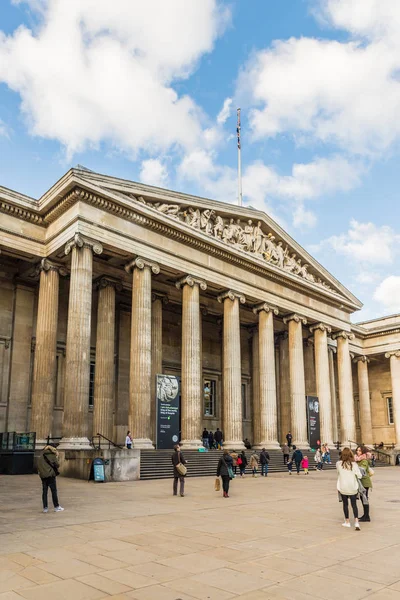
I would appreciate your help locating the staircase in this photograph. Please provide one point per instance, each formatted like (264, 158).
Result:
(156, 464)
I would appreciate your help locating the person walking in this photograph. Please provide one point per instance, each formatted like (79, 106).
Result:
(286, 452)
(205, 435)
(264, 461)
(327, 454)
(254, 463)
(289, 438)
(47, 466)
(224, 463)
(362, 458)
(304, 464)
(347, 485)
(128, 440)
(242, 462)
(297, 457)
(178, 459)
(318, 460)
(218, 438)
(210, 440)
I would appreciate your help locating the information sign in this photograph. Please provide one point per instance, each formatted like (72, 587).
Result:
(168, 411)
(313, 422)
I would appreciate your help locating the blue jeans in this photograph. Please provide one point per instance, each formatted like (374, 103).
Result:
(264, 469)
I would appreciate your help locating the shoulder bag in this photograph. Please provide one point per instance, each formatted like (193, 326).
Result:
(56, 471)
(180, 467)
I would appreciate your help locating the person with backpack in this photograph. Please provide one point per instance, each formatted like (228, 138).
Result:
(242, 462)
(297, 457)
(225, 471)
(47, 467)
(264, 461)
(218, 438)
(286, 453)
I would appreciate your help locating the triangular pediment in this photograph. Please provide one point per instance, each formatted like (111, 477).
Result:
(241, 229)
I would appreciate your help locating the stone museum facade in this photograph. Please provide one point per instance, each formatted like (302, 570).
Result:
(106, 283)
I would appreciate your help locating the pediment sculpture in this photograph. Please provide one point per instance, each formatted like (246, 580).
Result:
(249, 237)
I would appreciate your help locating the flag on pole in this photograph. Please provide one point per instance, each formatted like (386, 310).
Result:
(238, 128)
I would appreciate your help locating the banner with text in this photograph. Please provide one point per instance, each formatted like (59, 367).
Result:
(313, 422)
(168, 411)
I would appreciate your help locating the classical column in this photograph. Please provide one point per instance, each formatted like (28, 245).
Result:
(104, 375)
(320, 332)
(364, 398)
(232, 372)
(345, 378)
(140, 361)
(267, 415)
(332, 381)
(191, 375)
(395, 377)
(297, 382)
(255, 378)
(284, 387)
(156, 352)
(45, 364)
(77, 365)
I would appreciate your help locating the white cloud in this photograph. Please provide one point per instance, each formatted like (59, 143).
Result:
(367, 277)
(304, 218)
(346, 93)
(388, 294)
(154, 172)
(94, 71)
(225, 111)
(366, 243)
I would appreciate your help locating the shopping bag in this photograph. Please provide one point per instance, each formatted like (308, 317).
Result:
(217, 485)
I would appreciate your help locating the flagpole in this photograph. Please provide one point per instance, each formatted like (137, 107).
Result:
(239, 159)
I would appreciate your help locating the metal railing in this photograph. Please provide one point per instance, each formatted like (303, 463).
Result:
(381, 454)
(99, 445)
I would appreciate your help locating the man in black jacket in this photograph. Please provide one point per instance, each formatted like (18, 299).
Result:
(264, 460)
(289, 438)
(297, 457)
(218, 437)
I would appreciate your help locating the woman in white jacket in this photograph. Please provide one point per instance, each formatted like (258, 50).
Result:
(347, 485)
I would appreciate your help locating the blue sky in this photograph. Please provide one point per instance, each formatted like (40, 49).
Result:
(148, 91)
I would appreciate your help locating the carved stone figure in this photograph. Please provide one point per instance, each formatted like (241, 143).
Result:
(167, 209)
(205, 220)
(247, 237)
(218, 227)
(229, 232)
(258, 238)
(192, 217)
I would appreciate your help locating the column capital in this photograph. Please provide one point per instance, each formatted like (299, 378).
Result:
(47, 265)
(295, 317)
(232, 295)
(395, 353)
(264, 306)
(79, 241)
(320, 327)
(142, 263)
(332, 349)
(361, 358)
(191, 281)
(159, 296)
(346, 335)
(103, 282)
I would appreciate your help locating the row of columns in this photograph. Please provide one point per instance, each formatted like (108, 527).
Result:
(146, 361)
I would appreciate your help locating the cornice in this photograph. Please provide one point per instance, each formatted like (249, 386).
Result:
(21, 213)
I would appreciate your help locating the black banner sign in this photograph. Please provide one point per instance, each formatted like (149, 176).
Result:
(313, 422)
(168, 411)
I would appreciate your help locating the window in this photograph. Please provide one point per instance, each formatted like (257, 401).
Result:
(389, 402)
(91, 384)
(244, 401)
(209, 397)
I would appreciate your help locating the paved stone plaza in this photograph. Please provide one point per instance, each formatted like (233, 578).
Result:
(276, 538)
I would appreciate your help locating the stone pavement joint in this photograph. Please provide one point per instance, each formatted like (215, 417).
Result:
(275, 538)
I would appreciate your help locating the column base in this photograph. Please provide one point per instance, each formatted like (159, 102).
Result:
(302, 445)
(75, 443)
(234, 445)
(143, 444)
(191, 444)
(268, 445)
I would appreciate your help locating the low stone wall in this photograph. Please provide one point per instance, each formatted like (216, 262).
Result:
(120, 465)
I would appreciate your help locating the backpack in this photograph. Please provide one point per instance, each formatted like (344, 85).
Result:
(239, 461)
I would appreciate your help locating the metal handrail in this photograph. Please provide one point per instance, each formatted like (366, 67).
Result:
(387, 455)
(110, 442)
